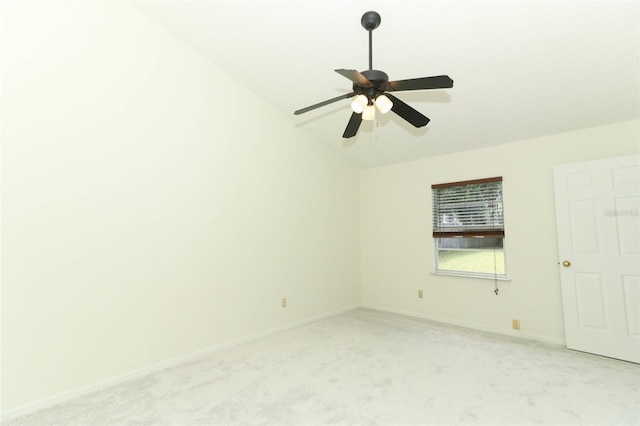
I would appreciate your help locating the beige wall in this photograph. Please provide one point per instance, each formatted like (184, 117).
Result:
(145, 214)
(397, 247)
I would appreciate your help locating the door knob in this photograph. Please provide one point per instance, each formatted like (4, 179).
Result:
(566, 263)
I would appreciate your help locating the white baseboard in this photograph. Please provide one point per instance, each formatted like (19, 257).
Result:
(34, 406)
(514, 333)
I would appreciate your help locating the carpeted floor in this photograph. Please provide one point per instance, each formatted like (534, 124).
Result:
(366, 367)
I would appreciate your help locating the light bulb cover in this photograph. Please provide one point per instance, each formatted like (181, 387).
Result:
(369, 113)
(384, 104)
(359, 103)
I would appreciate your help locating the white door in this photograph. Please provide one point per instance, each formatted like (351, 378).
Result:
(598, 221)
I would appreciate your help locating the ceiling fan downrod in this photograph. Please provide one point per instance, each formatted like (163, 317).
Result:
(370, 21)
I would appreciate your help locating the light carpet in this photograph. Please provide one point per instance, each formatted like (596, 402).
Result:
(366, 367)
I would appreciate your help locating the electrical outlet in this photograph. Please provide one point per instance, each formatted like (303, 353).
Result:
(420, 294)
(284, 302)
(515, 324)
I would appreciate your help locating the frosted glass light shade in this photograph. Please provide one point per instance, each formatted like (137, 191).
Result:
(359, 103)
(369, 113)
(384, 104)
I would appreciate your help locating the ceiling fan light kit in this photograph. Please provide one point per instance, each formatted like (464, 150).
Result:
(369, 113)
(359, 103)
(383, 104)
(371, 87)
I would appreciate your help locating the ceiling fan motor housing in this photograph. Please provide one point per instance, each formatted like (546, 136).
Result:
(376, 76)
(380, 81)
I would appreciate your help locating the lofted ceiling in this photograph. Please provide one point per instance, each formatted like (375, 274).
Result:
(521, 69)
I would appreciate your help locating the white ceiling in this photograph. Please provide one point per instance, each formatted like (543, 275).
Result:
(521, 69)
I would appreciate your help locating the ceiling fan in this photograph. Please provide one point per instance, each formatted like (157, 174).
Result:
(371, 90)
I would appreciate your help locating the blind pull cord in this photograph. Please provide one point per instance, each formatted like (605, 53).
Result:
(495, 266)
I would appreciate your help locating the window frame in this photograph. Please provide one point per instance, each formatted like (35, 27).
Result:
(482, 230)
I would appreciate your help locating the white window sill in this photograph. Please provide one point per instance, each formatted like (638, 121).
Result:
(470, 275)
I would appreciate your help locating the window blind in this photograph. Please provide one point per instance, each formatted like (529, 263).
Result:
(468, 209)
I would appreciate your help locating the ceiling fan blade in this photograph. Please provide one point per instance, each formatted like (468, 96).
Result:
(356, 77)
(407, 113)
(436, 82)
(353, 125)
(327, 102)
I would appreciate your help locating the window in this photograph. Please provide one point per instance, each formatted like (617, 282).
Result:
(468, 228)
